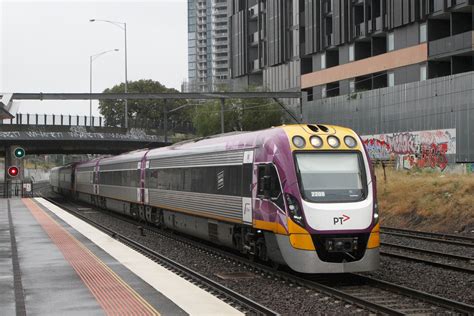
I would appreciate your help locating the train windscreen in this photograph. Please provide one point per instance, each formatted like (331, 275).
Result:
(331, 177)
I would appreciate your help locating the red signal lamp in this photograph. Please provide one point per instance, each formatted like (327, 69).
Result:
(13, 171)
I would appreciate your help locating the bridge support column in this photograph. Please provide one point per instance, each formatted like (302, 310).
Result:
(165, 119)
(222, 116)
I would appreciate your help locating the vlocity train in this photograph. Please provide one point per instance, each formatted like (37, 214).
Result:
(298, 195)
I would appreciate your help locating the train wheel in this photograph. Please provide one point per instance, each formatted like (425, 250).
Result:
(261, 249)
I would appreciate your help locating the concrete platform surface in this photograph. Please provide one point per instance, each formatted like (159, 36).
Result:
(52, 263)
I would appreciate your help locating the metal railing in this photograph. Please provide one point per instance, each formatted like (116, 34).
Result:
(80, 120)
(54, 120)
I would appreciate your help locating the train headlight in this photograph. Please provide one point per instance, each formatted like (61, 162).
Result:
(333, 141)
(350, 141)
(316, 141)
(294, 209)
(299, 141)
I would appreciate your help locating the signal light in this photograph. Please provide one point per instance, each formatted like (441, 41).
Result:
(13, 171)
(19, 152)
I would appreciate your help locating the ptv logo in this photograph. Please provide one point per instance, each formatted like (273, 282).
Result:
(340, 220)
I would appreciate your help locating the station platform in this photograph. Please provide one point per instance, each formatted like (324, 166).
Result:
(52, 263)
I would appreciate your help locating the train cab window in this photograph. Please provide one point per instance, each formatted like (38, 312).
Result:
(331, 177)
(269, 184)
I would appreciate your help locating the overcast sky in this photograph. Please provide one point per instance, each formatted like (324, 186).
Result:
(45, 47)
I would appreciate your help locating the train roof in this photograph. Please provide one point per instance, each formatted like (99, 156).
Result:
(132, 156)
(222, 142)
(216, 143)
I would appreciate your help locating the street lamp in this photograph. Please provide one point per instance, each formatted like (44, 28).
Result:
(123, 26)
(91, 59)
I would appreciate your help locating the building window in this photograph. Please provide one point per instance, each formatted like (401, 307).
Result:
(423, 33)
(324, 92)
(391, 79)
(390, 42)
(351, 52)
(423, 73)
(352, 85)
(323, 61)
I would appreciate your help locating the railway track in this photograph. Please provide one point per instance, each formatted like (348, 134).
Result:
(436, 237)
(430, 257)
(369, 293)
(237, 300)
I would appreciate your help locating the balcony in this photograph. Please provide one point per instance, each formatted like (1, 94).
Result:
(359, 30)
(220, 58)
(452, 45)
(255, 65)
(254, 38)
(201, 14)
(327, 9)
(219, 27)
(378, 23)
(222, 4)
(220, 49)
(329, 40)
(253, 12)
(220, 35)
(219, 43)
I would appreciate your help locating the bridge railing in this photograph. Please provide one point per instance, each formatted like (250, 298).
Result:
(95, 121)
(54, 120)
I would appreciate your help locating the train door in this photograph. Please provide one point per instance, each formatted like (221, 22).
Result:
(95, 179)
(247, 175)
(269, 193)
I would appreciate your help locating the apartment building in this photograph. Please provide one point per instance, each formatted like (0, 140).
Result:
(335, 47)
(208, 67)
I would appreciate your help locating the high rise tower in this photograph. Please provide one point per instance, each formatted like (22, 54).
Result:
(208, 48)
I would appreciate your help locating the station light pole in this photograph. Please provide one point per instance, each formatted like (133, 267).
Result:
(91, 59)
(123, 26)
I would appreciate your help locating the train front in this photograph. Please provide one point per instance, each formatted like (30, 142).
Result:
(332, 204)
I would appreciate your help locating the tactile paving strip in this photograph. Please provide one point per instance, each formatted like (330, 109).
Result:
(112, 293)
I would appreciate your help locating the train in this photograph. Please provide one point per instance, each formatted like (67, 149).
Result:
(300, 195)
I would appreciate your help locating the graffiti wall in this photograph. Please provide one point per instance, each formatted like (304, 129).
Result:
(470, 167)
(421, 149)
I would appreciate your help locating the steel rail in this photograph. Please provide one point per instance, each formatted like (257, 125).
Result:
(431, 298)
(429, 262)
(331, 290)
(212, 286)
(443, 238)
(429, 252)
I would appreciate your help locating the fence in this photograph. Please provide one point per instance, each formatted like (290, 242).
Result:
(10, 189)
(95, 121)
(54, 120)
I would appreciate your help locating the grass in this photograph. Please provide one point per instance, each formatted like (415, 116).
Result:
(426, 201)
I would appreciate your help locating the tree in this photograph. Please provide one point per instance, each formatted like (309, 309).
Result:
(141, 110)
(239, 115)
(207, 117)
(260, 113)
